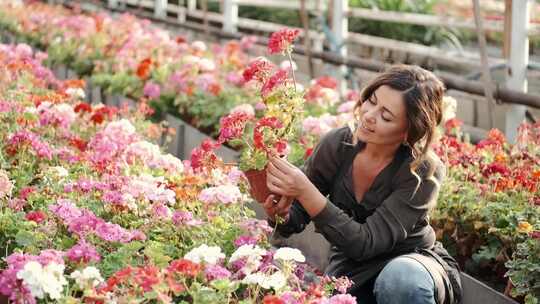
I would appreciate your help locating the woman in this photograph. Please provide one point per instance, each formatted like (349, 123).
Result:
(369, 190)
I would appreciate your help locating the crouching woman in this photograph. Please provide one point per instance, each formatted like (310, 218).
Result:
(369, 187)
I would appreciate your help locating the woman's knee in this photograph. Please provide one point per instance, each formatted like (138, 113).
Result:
(404, 280)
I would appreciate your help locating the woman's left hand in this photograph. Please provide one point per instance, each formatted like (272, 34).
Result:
(285, 179)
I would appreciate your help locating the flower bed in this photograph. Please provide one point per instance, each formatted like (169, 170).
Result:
(489, 207)
(92, 211)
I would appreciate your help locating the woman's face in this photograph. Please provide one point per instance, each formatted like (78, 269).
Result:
(383, 118)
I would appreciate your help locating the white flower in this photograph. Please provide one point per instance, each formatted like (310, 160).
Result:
(88, 278)
(289, 254)
(122, 127)
(286, 64)
(76, 93)
(190, 59)
(31, 110)
(276, 280)
(207, 65)
(449, 108)
(43, 280)
(59, 171)
(171, 163)
(329, 96)
(247, 250)
(199, 46)
(253, 278)
(65, 112)
(252, 254)
(208, 254)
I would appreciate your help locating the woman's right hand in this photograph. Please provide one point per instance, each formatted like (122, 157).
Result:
(281, 208)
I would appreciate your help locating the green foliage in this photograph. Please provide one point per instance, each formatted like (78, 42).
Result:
(120, 83)
(405, 32)
(126, 254)
(525, 271)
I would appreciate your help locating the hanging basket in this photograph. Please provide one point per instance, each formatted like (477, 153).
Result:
(257, 184)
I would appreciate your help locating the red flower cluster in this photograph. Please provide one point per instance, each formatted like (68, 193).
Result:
(116, 279)
(184, 267)
(232, 126)
(204, 156)
(452, 124)
(258, 136)
(36, 216)
(146, 277)
(271, 299)
(258, 69)
(143, 69)
(101, 113)
(494, 138)
(277, 79)
(496, 168)
(326, 82)
(281, 40)
(83, 107)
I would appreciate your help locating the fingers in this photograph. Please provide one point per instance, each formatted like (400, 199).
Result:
(269, 203)
(272, 180)
(281, 163)
(283, 203)
(272, 209)
(273, 170)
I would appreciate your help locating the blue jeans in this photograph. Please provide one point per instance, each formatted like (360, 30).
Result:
(404, 281)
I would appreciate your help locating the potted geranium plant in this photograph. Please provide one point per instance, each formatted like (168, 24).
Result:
(267, 134)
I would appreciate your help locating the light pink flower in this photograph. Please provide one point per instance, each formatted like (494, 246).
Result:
(6, 186)
(151, 90)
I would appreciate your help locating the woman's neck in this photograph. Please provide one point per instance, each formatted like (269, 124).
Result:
(380, 152)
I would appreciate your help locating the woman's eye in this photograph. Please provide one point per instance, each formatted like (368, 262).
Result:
(371, 101)
(384, 118)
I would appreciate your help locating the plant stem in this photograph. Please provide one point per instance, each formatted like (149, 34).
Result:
(292, 68)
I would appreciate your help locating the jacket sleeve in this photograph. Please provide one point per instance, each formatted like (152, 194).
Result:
(412, 198)
(320, 168)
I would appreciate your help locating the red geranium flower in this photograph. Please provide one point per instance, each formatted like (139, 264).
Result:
(215, 89)
(143, 69)
(277, 79)
(36, 216)
(452, 124)
(281, 40)
(204, 156)
(258, 137)
(271, 299)
(185, 267)
(326, 82)
(496, 168)
(97, 118)
(232, 126)
(258, 70)
(79, 144)
(147, 276)
(83, 107)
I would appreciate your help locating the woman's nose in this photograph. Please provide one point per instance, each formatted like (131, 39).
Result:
(369, 116)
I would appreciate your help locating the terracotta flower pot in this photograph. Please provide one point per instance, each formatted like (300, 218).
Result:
(257, 183)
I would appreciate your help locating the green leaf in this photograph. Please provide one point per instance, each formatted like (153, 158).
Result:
(25, 238)
(156, 253)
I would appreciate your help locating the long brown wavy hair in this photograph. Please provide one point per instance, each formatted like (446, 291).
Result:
(423, 95)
